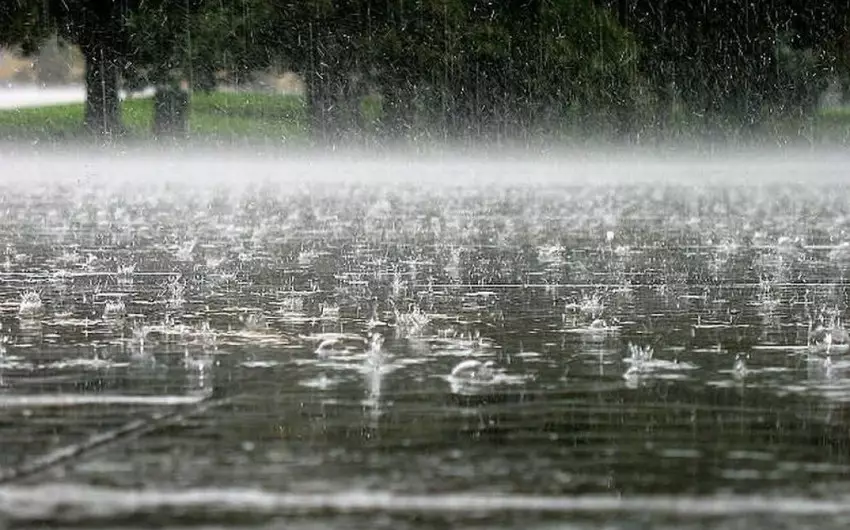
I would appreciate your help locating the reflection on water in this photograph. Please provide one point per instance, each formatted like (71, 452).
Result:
(664, 355)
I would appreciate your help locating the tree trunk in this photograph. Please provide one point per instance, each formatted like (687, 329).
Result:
(103, 110)
(171, 112)
(326, 106)
(319, 107)
(624, 111)
(398, 112)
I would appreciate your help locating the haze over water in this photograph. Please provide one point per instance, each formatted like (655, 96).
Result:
(191, 339)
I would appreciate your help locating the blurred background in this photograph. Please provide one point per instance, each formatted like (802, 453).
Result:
(468, 71)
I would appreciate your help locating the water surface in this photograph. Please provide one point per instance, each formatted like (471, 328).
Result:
(260, 341)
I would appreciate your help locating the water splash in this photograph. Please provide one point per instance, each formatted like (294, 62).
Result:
(114, 309)
(30, 305)
(176, 290)
(411, 323)
(473, 371)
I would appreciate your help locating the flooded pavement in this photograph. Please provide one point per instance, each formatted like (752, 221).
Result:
(189, 342)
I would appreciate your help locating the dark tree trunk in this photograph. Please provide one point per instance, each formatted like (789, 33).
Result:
(320, 107)
(171, 112)
(845, 89)
(398, 111)
(328, 106)
(460, 115)
(103, 109)
(623, 111)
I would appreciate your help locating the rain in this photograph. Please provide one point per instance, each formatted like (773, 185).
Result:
(424, 264)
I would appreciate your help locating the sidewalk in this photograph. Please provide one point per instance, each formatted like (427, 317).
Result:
(18, 97)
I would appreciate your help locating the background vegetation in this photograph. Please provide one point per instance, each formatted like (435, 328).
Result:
(454, 70)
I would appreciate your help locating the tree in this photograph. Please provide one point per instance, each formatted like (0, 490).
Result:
(735, 59)
(191, 41)
(24, 23)
(503, 70)
(96, 26)
(327, 42)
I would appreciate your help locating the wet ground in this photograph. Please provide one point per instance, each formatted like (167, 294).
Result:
(209, 341)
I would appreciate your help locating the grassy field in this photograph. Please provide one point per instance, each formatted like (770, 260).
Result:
(832, 126)
(221, 116)
(230, 117)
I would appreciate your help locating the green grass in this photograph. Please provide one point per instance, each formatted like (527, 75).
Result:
(833, 125)
(238, 117)
(226, 115)
(55, 122)
(216, 116)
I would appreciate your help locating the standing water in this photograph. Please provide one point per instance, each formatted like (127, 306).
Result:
(390, 343)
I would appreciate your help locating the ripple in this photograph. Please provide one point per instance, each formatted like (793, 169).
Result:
(259, 364)
(74, 400)
(76, 503)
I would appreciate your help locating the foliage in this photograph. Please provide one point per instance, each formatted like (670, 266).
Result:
(739, 58)
(24, 23)
(472, 68)
(199, 42)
